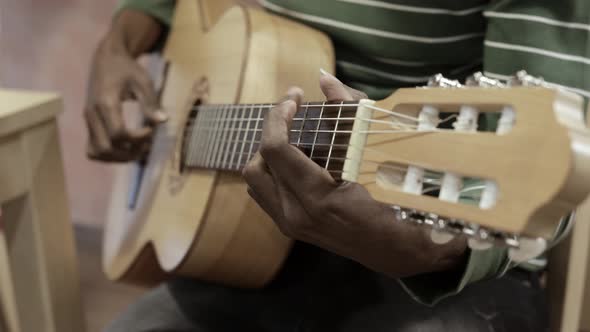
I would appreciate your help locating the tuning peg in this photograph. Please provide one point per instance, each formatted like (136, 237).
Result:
(522, 78)
(528, 249)
(441, 237)
(479, 79)
(439, 80)
(477, 244)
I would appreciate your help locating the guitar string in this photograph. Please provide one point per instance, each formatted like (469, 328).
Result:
(269, 106)
(435, 182)
(259, 107)
(391, 167)
(233, 121)
(318, 119)
(254, 142)
(327, 131)
(307, 106)
(337, 120)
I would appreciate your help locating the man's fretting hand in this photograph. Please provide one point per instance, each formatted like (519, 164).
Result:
(308, 205)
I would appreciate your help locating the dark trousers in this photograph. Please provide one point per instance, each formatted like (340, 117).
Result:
(318, 291)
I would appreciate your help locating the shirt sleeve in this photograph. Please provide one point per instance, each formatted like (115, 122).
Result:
(429, 289)
(159, 9)
(479, 265)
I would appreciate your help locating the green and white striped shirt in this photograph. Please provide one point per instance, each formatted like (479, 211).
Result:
(382, 45)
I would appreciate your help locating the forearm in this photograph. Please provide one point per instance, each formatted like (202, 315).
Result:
(132, 32)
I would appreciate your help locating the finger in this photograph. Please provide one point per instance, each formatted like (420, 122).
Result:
(99, 146)
(264, 205)
(97, 133)
(143, 90)
(113, 155)
(261, 183)
(287, 163)
(277, 201)
(111, 112)
(334, 90)
(356, 94)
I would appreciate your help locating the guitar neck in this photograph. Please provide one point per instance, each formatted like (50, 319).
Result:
(226, 137)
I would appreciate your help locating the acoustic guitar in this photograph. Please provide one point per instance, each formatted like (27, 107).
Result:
(184, 210)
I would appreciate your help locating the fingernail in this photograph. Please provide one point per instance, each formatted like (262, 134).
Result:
(161, 116)
(323, 72)
(294, 91)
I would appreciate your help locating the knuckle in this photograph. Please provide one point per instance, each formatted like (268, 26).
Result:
(92, 156)
(88, 112)
(143, 78)
(118, 134)
(103, 151)
(325, 206)
(106, 103)
(284, 228)
(249, 172)
(96, 154)
(271, 147)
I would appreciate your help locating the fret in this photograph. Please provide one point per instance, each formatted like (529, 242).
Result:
(302, 125)
(228, 136)
(206, 138)
(333, 135)
(254, 134)
(189, 136)
(226, 131)
(245, 136)
(218, 139)
(315, 139)
(195, 132)
(229, 145)
(214, 128)
(234, 145)
(202, 137)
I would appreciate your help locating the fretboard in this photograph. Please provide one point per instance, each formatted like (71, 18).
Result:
(226, 137)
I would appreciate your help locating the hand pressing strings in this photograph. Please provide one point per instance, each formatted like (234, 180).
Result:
(307, 204)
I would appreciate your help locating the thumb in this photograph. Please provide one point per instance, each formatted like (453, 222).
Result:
(143, 90)
(334, 90)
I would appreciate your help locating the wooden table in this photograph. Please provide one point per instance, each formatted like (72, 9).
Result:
(44, 293)
(568, 286)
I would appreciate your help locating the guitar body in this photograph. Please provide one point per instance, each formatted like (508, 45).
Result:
(202, 223)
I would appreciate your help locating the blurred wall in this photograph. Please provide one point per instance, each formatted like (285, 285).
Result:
(47, 45)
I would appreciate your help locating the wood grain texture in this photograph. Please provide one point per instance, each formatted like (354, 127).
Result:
(39, 239)
(567, 285)
(541, 176)
(203, 224)
(8, 314)
(21, 109)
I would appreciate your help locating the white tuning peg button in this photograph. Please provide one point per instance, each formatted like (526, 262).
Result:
(477, 244)
(528, 249)
(440, 237)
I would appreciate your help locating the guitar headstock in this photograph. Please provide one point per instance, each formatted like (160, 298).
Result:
(509, 182)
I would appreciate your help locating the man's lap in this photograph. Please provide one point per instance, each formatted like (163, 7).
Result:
(329, 293)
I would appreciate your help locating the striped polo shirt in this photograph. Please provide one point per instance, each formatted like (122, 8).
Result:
(382, 45)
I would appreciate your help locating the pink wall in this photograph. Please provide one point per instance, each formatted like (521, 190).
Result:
(47, 45)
